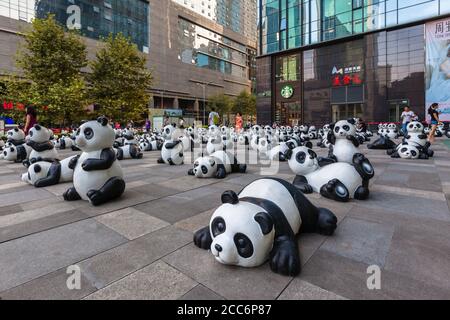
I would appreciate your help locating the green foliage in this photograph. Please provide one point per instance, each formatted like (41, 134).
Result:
(120, 80)
(51, 61)
(245, 104)
(221, 103)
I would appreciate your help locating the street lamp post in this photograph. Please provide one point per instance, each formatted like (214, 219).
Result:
(204, 85)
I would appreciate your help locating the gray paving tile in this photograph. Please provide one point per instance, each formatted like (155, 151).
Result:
(33, 256)
(52, 286)
(241, 283)
(118, 262)
(302, 290)
(29, 194)
(158, 281)
(361, 240)
(131, 223)
(201, 292)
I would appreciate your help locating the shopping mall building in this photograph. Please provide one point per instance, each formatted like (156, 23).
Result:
(323, 60)
(195, 48)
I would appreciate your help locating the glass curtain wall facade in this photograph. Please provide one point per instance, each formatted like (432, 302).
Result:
(236, 15)
(99, 18)
(288, 24)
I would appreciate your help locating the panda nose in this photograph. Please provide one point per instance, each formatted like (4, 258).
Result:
(218, 248)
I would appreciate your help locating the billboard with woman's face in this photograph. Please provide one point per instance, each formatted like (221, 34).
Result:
(438, 66)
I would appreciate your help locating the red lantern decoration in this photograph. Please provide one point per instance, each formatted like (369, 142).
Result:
(20, 106)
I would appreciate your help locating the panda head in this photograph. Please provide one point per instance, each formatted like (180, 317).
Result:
(344, 128)
(392, 126)
(36, 171)
(407, 151)
(10, 153)
(243, 233)
(15, 134)
(302, 160)
(415, 127)
(95, 135)
(214, 131)
(168, 132)
(224, 130)
(205, 167)
(40, 134)
(128, 134)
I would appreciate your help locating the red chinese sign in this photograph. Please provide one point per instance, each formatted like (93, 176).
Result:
(346, 76)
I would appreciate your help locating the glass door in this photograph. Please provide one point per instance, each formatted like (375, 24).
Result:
(396, 108)
(288, 113)
(346, 111)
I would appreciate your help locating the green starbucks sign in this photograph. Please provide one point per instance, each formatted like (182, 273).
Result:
(287, 92)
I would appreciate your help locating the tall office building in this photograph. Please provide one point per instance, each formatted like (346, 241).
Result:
(322, 60)
(195, 48)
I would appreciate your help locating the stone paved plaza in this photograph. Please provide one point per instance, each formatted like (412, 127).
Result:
(140, 247)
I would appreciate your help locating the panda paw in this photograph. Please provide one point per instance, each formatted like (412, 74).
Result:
(202, 239)
(335, 190)
(285, 258)
(95, 197)
(326, 222)
(363, 166)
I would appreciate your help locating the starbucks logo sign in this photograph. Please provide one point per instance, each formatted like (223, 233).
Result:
(287, 92)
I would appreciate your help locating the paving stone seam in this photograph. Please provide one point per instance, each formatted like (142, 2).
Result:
(198, 285)
(139, 269)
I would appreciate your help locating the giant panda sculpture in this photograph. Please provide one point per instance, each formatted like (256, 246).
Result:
(39, 141)
(15, 136)
(217, 165)
(63, 143)
(19, 153)
(44, 173)
(344, 143)
(415, 137)
(129, 151)
(172, 150)
(98, 177)
(260, 223)
(338, 181)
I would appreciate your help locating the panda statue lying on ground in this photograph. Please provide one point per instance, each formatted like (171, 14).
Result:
(98, 177)
(217, 165)
(63, 143)
(261, 223)
(338, 181)
(19, 153)
(48, 173)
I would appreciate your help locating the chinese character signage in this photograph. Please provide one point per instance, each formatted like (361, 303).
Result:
(350, 75)
(438, 66)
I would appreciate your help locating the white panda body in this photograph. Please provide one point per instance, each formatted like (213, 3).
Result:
(33, 175)
(175, 154)
(84, 181)
(275, 192)
(342, 171)
(275, 152)
(47, 154)
(344, 150)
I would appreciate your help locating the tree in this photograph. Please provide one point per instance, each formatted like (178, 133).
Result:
(120, 81)
(245, 103)
(221, 103)
(51, 61)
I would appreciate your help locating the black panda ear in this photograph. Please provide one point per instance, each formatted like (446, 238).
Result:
(230, 197)
(288, 154)
(37, 127)
(37, 168)
(351, 121)
(265, 222)
(332, 126)
(103, 121)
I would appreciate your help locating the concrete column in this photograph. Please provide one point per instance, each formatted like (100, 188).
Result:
(176, 103)
(196, 106)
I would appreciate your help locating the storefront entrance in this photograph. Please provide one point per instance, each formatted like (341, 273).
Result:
(288, 113)
(346, 111)
(396, 108)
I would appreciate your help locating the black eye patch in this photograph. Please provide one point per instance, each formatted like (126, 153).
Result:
(88, 133)
(218, 226)
(346, 128)
(337, 129)
(404, 150)
(243, 245)
(300, 157)
(204, 169)
(312, 154)
(413, 153)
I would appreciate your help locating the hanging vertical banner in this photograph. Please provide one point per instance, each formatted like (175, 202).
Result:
(438, 67)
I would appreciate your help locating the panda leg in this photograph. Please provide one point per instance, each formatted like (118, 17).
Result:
(363, 166)
(362, 193)
(170, 161)
(335, 190)
(302, 184)
(112, 189)
(71, 195)
(285, 257)
(326, 222)
(203, 239)
(191, 172)
(395, 155)
(160, 161)
(281, 157)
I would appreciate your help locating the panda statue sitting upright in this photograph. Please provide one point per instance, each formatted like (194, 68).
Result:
(344, 143)
(338, 181)
(39, 141)
(15, 136)
(261, 223)
(172, 150)
(217, 165)
(44, 173)
(98, 177)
